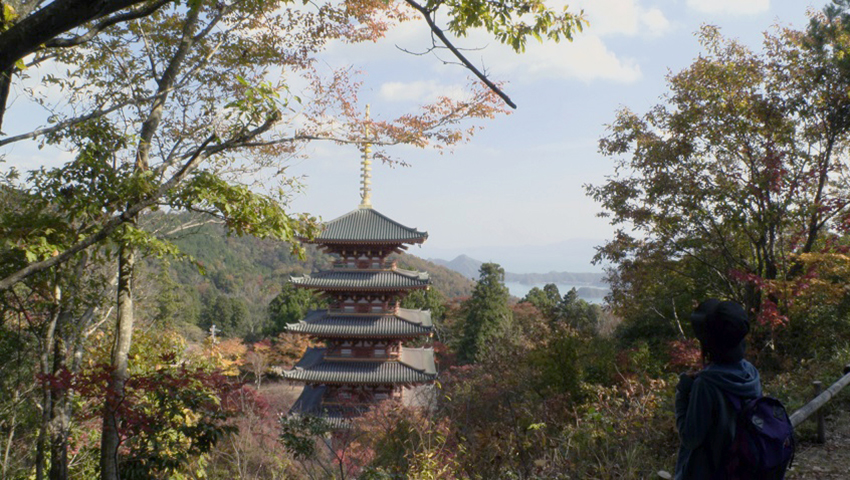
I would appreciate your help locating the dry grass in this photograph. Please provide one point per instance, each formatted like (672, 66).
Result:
(280, 394)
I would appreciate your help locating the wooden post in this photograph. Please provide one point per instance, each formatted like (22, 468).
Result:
(821, 425)
(810, 408)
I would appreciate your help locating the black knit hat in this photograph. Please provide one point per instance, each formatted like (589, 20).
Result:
(720, 328)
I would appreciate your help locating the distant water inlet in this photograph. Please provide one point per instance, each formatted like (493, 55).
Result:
(588, 293)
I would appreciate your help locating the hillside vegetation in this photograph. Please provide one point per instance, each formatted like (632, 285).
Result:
(242, 275)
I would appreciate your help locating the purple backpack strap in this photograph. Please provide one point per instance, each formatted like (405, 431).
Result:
(736, 401)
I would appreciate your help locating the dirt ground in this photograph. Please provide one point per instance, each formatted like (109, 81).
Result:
(830, 460)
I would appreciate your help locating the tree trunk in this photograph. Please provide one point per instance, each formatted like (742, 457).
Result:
(5, 87)
(60, 425)
(46, 400)
(120, 350)
(11, 437)
(60, 414)
(57, 17)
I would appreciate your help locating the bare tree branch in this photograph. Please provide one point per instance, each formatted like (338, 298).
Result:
(426, 14)
(75, 121)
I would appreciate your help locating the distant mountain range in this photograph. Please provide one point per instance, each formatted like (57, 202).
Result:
(468, 267)
(572, 255)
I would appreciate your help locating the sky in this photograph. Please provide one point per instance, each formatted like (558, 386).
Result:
(515, 193)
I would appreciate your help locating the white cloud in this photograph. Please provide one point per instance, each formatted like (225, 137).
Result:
(655, 21)
(586, 59)
(419, 91)
(732, 7)
(623, 17)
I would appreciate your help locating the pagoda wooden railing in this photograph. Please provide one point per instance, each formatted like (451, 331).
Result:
(821, 399)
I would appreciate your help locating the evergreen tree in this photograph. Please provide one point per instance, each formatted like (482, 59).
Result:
(228, 314)
(290, 306)
(577, 313)
(546, 300)
(487, 312)
(430, 299)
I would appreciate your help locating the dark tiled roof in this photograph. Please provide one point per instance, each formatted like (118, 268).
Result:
(396, 279)
(415, 366)
(368, 225)
(310, 400)
(309, 403)
(407, 323)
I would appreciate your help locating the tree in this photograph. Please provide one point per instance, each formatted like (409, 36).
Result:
(228, 314)
(25, 28)
(718, 189)
(487, 313)
(430, 299)
(577, 313)
(290, 306)
(546, 300)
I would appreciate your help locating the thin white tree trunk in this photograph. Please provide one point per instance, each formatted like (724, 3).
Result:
(120, 352)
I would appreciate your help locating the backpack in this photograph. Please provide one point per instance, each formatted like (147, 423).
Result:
(764, 444)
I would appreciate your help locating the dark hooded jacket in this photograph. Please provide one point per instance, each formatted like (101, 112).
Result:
(705, 418)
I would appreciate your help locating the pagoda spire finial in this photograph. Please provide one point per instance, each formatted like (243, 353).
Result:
(366, 171)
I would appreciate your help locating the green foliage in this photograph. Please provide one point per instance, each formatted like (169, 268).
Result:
(17, 370)
(56, 207)
(819, 332)
(571, 310)
(721, 188)
(290, 306)
(577, 313)
(511, 22)
(228, 314)
(430, 299)
(244, 211)
(557, 364)
(546, 299)
(175, 406)
(300, 434)
(487, 312)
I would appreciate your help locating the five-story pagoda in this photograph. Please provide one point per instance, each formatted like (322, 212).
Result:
(364, 361)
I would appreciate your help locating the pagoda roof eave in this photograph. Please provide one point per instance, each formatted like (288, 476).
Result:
(364, 336)
(366, 224)
(320, 241)
(363, 288)
(415, 366)
(405, 323)
(359, 280)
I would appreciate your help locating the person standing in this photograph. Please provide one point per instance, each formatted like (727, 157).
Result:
(705, 418)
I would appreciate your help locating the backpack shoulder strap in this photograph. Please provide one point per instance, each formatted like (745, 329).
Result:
(734, 400)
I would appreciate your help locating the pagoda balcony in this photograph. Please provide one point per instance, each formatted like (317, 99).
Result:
(345, 399)
(363, 309)
(362, 354)
(348, 264)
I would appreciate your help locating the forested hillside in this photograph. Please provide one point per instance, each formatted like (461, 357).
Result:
(240, 275)
(468, 267)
